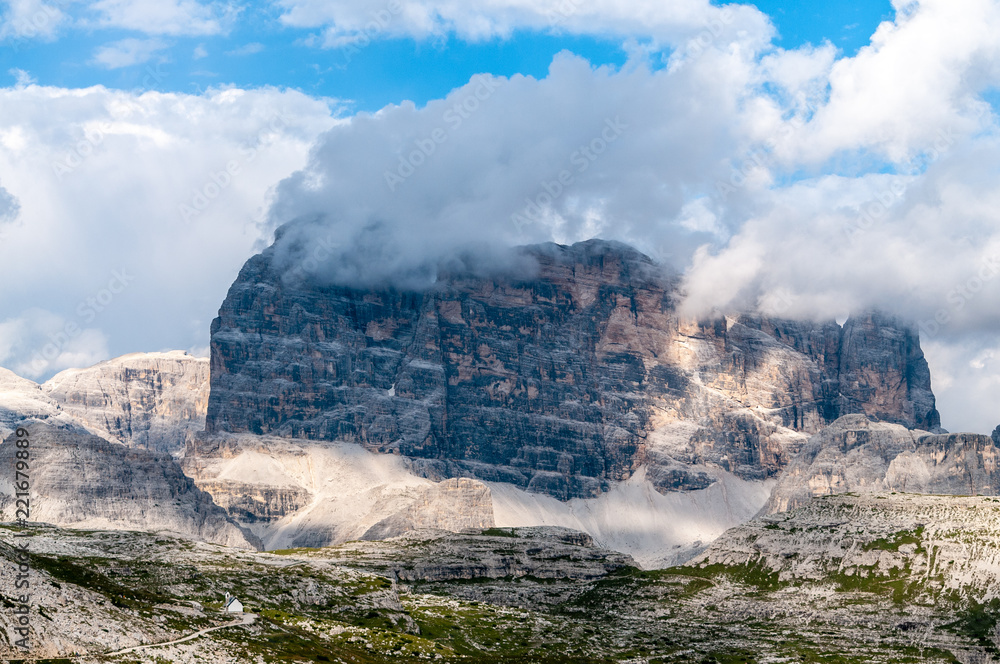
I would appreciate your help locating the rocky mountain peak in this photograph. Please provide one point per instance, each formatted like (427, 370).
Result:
(562, 379)
(152, 400)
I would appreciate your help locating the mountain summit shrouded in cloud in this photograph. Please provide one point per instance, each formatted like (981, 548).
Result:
(801, 180)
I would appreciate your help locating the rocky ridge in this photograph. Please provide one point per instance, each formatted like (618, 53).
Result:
(22, 399)
(878, 578)
(941, 544)
(156, 401)
(83, 481)
(859, 455)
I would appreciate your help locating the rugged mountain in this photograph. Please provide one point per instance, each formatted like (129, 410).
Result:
(151, 400)
(156, 401)
(64, 618)
(83, 481)
(495, 553)
(563, 379)
(856, 454)
(22, 399)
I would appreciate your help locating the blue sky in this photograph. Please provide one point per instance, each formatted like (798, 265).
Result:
(257, 49)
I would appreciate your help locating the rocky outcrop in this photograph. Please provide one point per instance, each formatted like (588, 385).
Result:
(253, 504)
(456, 504)
(857, 454)
(20, 400)
(83, 481)
(498, 553)
(65, 618)
(294, 493)
(996, 435)
(156, 401)
(562, 379)
(883, 373)
(929, 545)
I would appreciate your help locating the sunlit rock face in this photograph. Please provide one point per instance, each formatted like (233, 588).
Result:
(563, 378)
(858, 455)
(151, 400)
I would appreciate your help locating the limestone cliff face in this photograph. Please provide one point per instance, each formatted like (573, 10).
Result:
(562, 380)
(83, 481)
(856, 454)
(151, 400)
(22, 399)
(883, 373)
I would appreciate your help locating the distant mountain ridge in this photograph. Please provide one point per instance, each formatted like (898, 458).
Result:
(149, 400)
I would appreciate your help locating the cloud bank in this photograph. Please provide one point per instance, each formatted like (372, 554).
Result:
(134, 213)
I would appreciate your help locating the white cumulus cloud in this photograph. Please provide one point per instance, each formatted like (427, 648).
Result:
(128, 52)
(163, 17)
(30, 19)
(344, 23)
(137, 211)
(798, 182)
